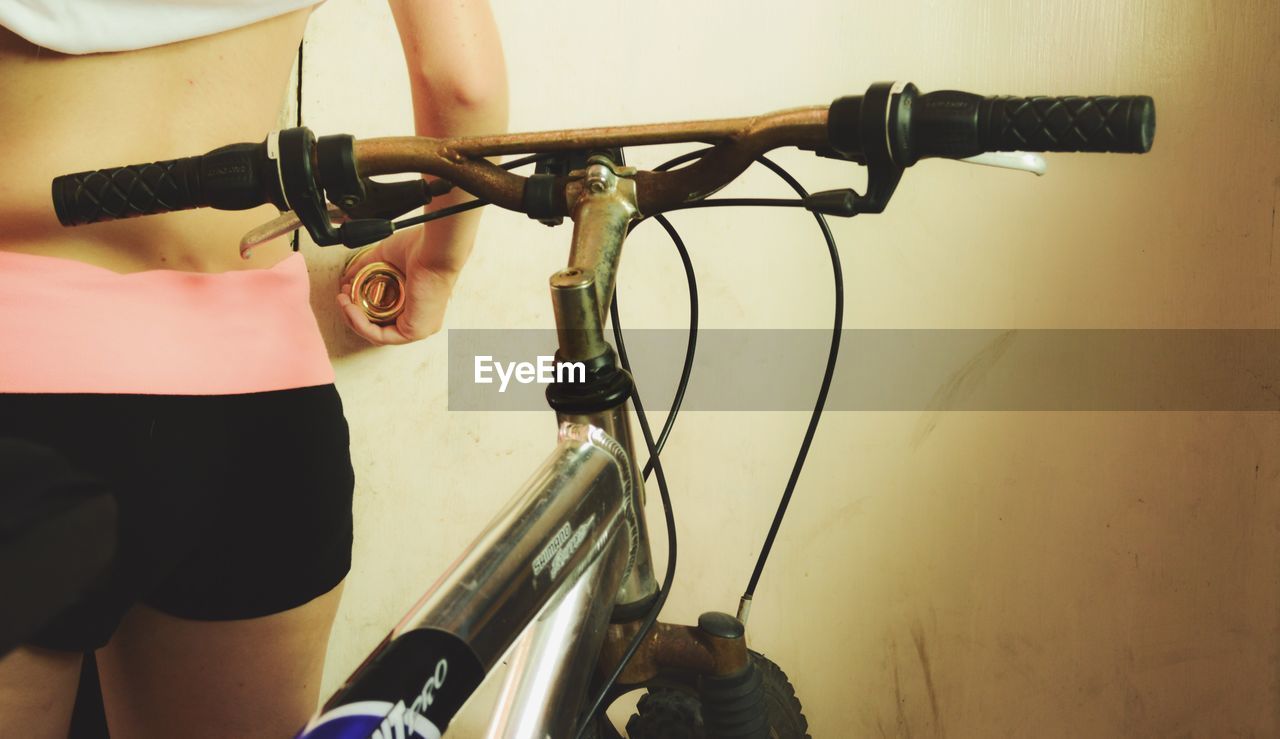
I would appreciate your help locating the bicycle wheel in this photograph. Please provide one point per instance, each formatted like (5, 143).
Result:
(665, 713)
(601, 728)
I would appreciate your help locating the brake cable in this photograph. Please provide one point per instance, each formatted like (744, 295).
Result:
(655, 449)
(463, 207)
(744, 604)
(655, 446)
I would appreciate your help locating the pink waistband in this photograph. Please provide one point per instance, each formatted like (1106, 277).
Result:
(71, 327)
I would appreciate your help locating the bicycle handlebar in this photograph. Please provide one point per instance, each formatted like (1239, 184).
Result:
(886, 128)
(235, 177)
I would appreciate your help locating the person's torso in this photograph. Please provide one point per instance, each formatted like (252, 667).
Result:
(69, 113)
(92, 26)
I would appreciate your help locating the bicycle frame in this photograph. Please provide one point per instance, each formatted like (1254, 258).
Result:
(556, 562)
(570, 553)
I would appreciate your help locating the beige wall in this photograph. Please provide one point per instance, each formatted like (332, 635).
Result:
(950, 574)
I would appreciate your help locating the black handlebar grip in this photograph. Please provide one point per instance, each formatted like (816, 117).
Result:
(953, 124)
(125, 192)
(233, 177)
(1095, 123)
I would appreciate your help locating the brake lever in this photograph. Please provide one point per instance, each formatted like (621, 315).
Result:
(281, 225)
(1019, 160)
(382, 201)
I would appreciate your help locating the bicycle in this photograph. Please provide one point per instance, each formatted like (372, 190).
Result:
(563, 576)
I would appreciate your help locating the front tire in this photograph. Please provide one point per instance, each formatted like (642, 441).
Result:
(664, 713)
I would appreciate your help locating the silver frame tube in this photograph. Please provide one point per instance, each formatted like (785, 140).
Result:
(556, 528)
(639, 582)
(551, 664)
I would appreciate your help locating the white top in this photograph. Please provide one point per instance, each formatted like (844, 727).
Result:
(87, 26)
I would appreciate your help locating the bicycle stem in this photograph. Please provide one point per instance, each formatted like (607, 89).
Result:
(603, 209)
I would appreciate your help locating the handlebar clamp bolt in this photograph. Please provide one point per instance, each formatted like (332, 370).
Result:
(600, 178)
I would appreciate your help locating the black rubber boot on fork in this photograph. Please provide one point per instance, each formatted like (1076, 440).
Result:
(733, 706)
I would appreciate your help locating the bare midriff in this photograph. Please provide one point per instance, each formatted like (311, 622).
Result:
(63, 114)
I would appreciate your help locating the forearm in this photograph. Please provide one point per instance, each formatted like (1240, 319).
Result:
(458, 81)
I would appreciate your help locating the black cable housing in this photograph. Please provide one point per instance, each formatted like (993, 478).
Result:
(454, 210)
(690, 347)
(655, 446)
(597, 704)
(828, 373)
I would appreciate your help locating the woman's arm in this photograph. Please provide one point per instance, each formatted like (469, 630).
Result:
(458, 80)
(456, 71)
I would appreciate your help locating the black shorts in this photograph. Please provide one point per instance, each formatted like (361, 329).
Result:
(230, 506)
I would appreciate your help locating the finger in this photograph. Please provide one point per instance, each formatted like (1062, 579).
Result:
(357, 321)
(354, 318)
(387, 335)
(360, 324)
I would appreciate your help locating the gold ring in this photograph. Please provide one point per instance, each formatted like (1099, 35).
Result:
(378, 288)
(354, 255)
